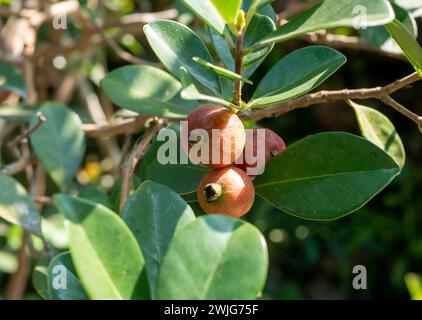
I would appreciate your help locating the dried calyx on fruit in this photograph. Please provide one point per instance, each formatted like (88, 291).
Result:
(227, 191)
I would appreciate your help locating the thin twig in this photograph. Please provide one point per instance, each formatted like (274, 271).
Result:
(406, 112)
(134, 157)
(93, 130)
(379, 93)
(349, 42)
(26, 133)
(124, 55)
(17, 166)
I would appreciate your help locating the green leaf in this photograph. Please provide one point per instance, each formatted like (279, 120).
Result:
(379, 36)
(175, 45)
(63, 282)
(326, 176)
(59, 143)
(191, 92)
(11, 79)
(147, 90)
(155, 213)
(222, 49)
(259, 27)
(183, 178)
(214, 257)
(378, 129)
(296, 74)
(221, 71)
(104, 251)
(215, 13)
(259, 6)
(16, 205)
(40, 278)
(331, 14)
(414, 285)
(407, 43)
(227, 9)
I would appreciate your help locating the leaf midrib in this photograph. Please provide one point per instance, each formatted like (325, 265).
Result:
(324, 176)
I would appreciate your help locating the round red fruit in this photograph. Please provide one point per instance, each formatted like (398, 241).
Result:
(227, 191)
(274, 145)
(229, 135)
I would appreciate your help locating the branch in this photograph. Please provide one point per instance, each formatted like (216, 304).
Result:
(26, 133)
(17, 166)
(406, 112)
(124, 55)
(348, 42)
(134, 157)
(380, 93)
(93, 130)
(237, 94)
(139, 19)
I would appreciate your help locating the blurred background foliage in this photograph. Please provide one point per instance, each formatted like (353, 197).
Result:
(308, 260)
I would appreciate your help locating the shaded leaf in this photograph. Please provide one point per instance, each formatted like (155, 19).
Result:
(147, 90)
(175, 45)
(11, 79)
(331, 14)
(63, 282)
(326, 176)
(59, 143)
(104, 251)
(154, 213)
(296, 74)
(183, 178)
(378, 129)
(16, 205)
(214, 257)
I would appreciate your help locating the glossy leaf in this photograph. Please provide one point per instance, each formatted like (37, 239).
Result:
(407, 43)
(227, 9)
(63, 282)
(221, 71)
(40, 278)
(259, 27)
(326, 176)
(191, 92)
(154, 213)
(147, 90)
(16, 205)
(206, 10)
(379, 36)
(296, 74)
(214, 257)
(222, 49)
(175, 45)
(183, 178)
(378, 129)
(11, 79)
(331, 14)
(59, 143)
(104, 251)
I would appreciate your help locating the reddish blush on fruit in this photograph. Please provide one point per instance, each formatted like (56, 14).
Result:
(227, 191)
(231, 135)
(274, 145)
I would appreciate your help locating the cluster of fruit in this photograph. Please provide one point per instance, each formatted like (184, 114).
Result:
(228, 189)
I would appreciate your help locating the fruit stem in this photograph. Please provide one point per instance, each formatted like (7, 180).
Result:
(213, 192)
